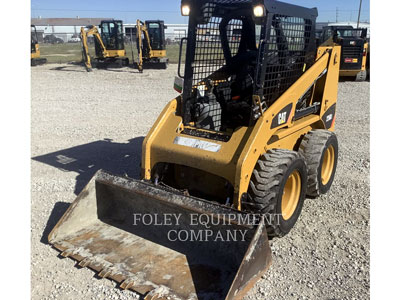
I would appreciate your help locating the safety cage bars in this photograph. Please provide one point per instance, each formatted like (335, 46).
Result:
(285, 45)
(289, 51)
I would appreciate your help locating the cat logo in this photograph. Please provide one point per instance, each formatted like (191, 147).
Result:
(282, 118)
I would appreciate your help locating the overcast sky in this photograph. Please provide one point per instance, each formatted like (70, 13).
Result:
(169, 10)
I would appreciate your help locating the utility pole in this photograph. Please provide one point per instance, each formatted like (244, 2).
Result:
(359, 14)
(337, 14)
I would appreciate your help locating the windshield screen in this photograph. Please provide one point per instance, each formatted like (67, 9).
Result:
(34, 39)
(112, 35)
(349, 32)
(154, 35)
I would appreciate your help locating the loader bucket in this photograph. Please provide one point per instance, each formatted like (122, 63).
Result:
(161, 243)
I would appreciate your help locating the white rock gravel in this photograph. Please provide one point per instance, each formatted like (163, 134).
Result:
(82, 122)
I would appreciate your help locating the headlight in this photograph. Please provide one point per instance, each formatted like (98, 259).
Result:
(259, 10)
(185, 10)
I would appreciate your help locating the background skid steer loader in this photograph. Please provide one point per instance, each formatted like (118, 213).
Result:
(354, 61)
(249, 137)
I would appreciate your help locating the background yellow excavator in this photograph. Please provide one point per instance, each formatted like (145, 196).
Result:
(109, 44)
(35, 52)
(151, 45)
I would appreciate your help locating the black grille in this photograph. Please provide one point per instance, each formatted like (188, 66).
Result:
(287, 54)
(209, 55)
(352, 51)
(208, 135)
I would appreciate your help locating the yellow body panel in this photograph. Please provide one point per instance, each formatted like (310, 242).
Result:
(35, 54)
(349, 73)
(159, 147)
(237, 158)
(158, 53)
(114, 53)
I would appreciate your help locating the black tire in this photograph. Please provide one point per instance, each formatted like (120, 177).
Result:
(313, 148)
(361, 76)
(267, 185)
(98, 64)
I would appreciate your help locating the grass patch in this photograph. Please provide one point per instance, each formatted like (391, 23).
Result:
(61, 53)
(72, 52)
(173, 53)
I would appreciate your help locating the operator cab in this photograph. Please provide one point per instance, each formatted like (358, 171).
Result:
(353, 42)
(233, 55)
(343, 32)
(156, 34)
(112, 36)
(34, 39)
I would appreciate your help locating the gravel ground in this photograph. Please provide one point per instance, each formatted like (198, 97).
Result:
(83, 122)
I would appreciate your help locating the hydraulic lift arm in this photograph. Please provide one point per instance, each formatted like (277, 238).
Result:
(142, 29)
(92, 31)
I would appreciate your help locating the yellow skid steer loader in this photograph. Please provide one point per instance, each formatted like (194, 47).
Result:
(354, 61)
(226, 166)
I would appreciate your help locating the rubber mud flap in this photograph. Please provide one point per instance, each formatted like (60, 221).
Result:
(160, 243)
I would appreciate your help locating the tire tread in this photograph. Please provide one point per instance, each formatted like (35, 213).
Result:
(265, 182)
(311, 148)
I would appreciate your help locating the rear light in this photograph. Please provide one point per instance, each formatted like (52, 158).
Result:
(365, 52)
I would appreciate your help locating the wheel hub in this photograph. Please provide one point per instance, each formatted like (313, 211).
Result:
(327, 165)
(291, 195)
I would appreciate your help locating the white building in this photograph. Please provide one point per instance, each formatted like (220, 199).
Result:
(176, 31)
(65, 28)
(173, 32)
